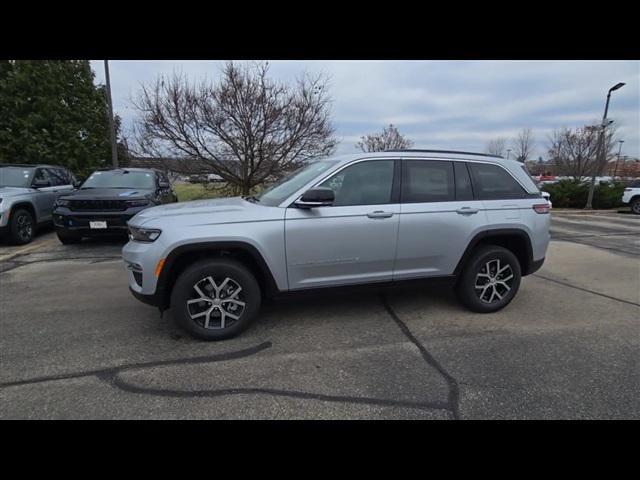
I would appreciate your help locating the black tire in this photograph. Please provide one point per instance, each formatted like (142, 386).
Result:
(635, 206)
(219, 270)
(68, 238)
(485, 257)
(22, 227)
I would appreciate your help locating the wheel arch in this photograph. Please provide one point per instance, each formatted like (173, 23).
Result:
(515, 240)
(183, 256)
(25, 206)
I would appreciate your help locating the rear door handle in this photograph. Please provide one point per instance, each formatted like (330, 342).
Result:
(467, 211)
(380, 214)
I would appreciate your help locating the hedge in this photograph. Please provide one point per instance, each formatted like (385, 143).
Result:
(573, 194)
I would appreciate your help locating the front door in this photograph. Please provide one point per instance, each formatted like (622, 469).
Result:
(352, 241)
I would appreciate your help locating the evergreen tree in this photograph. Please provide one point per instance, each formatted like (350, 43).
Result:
(51, 112)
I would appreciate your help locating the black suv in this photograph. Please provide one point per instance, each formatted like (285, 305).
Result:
(107, 200)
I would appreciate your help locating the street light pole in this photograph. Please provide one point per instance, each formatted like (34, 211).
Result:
(112, 131)
(601, 149)
(615, 170)
(508, 153)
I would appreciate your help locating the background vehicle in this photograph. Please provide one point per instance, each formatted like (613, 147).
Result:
(631, 196)
(27, 195)
(476, 221)
(107, 200)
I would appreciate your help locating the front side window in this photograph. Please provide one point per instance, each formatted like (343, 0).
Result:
(427, 181)
(280, 191)
(120, 179)
(42, 176)
(58, 177)
(365, 183)
(492, 182)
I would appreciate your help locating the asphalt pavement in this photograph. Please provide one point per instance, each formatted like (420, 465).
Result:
(74, 343)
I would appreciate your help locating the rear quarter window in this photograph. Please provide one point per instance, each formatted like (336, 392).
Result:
(492, 182)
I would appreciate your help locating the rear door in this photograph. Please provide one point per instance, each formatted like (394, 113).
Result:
(438, 217)
(352, 241)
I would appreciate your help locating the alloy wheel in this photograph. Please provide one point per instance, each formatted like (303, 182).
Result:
(493, 281)
(24, 228)
(215, 305)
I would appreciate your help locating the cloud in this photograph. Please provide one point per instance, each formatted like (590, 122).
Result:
(439, 104)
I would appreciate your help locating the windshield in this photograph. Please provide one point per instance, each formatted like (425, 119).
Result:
(120, 179)
(279, 191)
(15, 176)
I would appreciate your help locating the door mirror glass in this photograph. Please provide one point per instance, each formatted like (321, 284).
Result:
(316, 197)
(163, 184)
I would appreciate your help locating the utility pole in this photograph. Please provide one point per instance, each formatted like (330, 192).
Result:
(508, 153)
(114, 146)
(615, 170)
(601, 150)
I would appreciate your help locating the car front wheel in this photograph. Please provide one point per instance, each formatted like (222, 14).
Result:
(635, 206)
(490, 280)
(22, 227)
(216, 299)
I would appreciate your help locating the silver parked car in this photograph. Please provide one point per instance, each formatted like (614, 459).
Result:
(474, 220)
(27, 195)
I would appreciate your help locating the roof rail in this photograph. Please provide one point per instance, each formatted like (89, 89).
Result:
(445, 151)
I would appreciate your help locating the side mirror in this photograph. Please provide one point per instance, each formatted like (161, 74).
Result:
(316, 197)
(163, 185)
(76, 183)
(40, 183)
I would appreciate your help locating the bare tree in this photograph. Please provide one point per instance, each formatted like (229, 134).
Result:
(389, 139)
(246, 128)
(523, 145)
(496, 147)
(575, 151)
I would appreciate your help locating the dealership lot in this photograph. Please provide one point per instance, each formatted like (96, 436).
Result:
(75, 344)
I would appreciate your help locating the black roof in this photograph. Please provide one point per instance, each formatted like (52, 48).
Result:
(446, 151)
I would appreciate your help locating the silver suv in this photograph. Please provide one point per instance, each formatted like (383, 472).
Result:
(27, 195)
(477, 221)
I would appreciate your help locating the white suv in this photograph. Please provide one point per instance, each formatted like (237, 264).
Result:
(631, 196)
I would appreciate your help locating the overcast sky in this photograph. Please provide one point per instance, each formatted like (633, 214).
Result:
(439, 104)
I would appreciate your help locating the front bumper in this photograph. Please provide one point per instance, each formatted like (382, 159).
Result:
(78, 221)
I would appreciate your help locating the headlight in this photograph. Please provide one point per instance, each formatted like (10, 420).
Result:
(137, 203)
(146, 235)
(61, 203)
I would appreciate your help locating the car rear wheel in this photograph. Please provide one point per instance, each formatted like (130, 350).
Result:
(216, 299)
(68, 238)
(490, 280)
(635, 206)
(22, 227)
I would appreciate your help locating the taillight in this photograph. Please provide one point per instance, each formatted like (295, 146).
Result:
(541, 208)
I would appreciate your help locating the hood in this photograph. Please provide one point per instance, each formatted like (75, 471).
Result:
(108, 194)
(207, 212)
(6, 192)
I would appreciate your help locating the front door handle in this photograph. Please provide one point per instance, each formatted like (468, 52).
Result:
(380, 214)
(467, 211)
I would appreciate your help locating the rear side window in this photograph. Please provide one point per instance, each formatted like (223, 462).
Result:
(427, 181)
(464, 190)
(494, 183)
